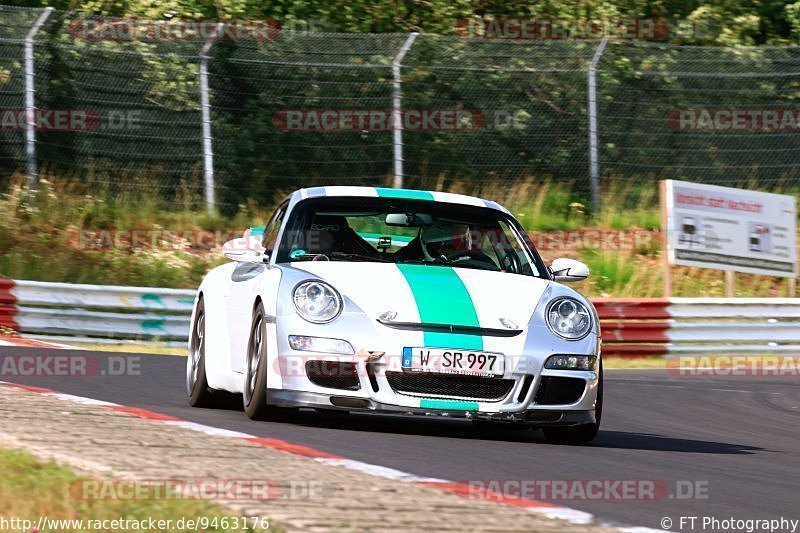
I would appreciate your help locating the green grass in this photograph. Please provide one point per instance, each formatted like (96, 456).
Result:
(624, 363)
(30, 489)
(546, 205)
(39, 238)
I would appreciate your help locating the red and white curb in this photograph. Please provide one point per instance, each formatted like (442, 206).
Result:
(32, 343)
(463, 490)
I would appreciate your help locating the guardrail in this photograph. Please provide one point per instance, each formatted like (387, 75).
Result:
(632, 327)
(637, 327)
(105, 312)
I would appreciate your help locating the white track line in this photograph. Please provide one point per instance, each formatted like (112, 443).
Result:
(209, 430)
(80, 399)
(380, 471)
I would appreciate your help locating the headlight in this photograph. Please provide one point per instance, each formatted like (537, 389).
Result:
(320, 344)
(569, 318)
(316, 301)
(571, 362)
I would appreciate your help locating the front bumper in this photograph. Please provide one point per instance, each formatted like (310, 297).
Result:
(532, 417)
(527, 394)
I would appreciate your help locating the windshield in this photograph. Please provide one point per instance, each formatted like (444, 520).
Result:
(407, 231)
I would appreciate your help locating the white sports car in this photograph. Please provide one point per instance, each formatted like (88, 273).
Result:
(398, 301)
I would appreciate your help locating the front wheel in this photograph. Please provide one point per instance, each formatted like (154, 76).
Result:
(579, 434)
(255, 383)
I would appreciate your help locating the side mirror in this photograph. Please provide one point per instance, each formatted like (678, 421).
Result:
(567, 270)
(244, 250)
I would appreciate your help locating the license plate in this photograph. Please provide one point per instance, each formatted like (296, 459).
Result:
(453, 361)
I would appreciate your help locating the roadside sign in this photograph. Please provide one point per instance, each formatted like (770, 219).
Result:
(730, 229)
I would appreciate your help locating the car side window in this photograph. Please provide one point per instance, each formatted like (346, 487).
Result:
(520, 262)
(273, 226)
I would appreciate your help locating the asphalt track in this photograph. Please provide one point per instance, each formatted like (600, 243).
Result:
(737, 436)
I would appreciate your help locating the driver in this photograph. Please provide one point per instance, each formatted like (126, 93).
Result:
(442, 240)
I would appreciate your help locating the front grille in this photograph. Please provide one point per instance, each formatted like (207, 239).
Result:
(555, 390)
(449, 385)
(333, 374)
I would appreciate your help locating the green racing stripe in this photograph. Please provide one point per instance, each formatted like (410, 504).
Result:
(408, 194)
(256, 231)
(442, 298)
(452, 405)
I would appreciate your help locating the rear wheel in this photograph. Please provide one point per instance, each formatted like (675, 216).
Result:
(200, 394)
(579, 434)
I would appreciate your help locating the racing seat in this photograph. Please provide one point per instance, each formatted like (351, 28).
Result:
(334, 234)
(411, 251)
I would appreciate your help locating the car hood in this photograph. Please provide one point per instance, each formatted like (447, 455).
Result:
(433, 294)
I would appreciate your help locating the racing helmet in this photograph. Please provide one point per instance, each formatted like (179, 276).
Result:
(436, 237)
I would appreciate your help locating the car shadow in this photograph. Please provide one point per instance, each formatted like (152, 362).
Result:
(653, 442)
(228, 401)
(464, 429)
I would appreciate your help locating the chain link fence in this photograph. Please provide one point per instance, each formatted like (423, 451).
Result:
(207, 119)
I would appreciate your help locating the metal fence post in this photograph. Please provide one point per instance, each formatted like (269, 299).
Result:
(594, 166)
(397, 119)
(31, 170)
(205, 111)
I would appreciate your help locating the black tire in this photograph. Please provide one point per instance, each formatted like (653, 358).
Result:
(579, 434)
(255, 382)
(200, 394)
(255, 397)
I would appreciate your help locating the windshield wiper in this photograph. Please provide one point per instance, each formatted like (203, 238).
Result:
(443, 261)
(364, 257)
(338, 255)
(438, 261)
(300, 257)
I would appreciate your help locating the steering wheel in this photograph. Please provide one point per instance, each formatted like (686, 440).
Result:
(472, 255)
(512, 263)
